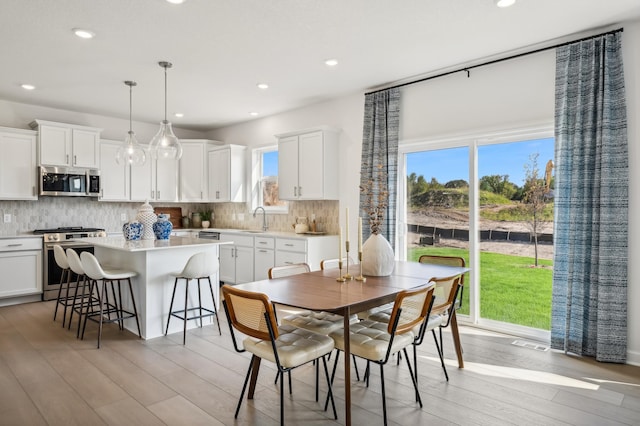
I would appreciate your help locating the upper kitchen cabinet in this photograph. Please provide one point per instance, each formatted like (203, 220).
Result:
(18, 164)
(308, 165)
(115, 182)
(193, 170)
(227, 174)
(68, 145)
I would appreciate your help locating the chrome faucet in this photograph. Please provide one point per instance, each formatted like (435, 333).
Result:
(264, 217)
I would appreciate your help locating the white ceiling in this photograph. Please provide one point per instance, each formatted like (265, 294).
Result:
(221, 49)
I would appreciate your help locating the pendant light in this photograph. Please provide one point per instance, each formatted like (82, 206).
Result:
(131, 152)
(165, 144)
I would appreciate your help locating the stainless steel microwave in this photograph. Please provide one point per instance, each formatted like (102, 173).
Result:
(62, 181)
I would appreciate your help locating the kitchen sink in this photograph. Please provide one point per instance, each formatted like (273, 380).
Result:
(251, 231)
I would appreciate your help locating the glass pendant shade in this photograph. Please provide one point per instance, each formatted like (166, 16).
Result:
(165, 144)
(131, 152)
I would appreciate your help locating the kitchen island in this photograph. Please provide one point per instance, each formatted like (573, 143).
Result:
(154, 260)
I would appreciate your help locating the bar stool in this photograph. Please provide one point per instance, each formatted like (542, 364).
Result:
(81, 297)
(96, 273)
(61, 261)
(198, 267)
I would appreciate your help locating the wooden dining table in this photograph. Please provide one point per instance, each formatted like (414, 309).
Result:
(320, 291)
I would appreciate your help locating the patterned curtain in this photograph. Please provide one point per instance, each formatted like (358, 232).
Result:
(379, 172)
(589, 308)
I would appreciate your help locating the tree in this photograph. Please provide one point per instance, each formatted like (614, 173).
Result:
(534, 198)
(498, 184)
(458, 183)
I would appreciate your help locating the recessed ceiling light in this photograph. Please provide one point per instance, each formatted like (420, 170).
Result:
(82, 33)
(331, 62)
(179, 114)
(176, 1)
(253, 113)
(504, 3)
(28, 86)
(263, 86)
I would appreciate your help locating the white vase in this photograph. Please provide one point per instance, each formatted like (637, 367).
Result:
(378, 258)
(147, 218)
(206, 223)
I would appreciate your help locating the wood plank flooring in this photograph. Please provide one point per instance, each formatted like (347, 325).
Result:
(48, 377)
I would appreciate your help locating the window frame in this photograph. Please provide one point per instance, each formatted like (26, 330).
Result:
(256, 181)
(471, 140)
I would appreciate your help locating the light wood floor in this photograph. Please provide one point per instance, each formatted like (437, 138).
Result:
(49, 377)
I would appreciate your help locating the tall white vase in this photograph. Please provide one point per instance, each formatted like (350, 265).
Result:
(377, 256)
(147, 218)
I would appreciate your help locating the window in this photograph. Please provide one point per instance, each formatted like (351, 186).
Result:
(265, 178)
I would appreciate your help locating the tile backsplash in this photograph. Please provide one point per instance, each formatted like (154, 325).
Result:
(53, 212)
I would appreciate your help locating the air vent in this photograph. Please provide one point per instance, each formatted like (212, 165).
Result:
(530, 345)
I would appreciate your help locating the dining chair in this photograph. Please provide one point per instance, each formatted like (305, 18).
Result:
(252, 314)
(377, 341)
(457, 302)
(444, 295)
(334, 263)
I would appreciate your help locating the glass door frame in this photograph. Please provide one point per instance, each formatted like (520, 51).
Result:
(472, 142)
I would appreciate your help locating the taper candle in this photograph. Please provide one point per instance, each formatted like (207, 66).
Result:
(340, 243)
(347, 235)
(359, 235)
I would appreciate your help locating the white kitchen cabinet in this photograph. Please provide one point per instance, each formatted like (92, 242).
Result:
(193, 171)
(311, 250)
(227, 165)
(236, 260)
(166, 180)
(68, 145)
(114, 178)
(142, 183)
(20, 267)
(264, 257)
(308, 165)
(18, 164)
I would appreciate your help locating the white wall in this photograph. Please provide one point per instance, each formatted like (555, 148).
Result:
(502, 96)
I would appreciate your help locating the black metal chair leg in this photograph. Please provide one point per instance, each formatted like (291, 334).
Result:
(186, 303)
(135, 309)
(213, 298)
(199, 302)
(244, 387)
(173, 296)
(384, 396)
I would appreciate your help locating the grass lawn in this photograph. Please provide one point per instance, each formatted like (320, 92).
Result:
(511, 289)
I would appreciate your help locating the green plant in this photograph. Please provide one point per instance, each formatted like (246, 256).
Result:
(206, 215)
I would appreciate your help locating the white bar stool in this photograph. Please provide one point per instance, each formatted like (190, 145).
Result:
(82, 296)
(198, 267)
(94, 271)
(62, 300)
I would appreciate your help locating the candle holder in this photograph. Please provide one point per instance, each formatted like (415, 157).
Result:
(360, 277)
(340, 278)
(347, 276)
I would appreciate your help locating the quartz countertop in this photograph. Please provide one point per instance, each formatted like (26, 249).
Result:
(119, 243)
(258, 233)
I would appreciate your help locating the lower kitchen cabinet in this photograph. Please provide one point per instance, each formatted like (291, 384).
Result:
(20, 267)
(236, 260)
(264, 257)
(311, 250)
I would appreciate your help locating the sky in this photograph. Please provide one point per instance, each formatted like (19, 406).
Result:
(498, 159)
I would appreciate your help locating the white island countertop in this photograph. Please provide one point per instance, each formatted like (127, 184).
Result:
(119, 243)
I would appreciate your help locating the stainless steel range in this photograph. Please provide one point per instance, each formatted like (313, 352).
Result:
(69, 237)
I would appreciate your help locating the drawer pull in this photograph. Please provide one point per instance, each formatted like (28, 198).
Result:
(13, 245)
(288, 245)
(262, 251)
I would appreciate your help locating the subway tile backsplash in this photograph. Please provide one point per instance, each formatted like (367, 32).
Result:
(53, 212)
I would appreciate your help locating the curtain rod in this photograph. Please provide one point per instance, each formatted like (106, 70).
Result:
(466, 69)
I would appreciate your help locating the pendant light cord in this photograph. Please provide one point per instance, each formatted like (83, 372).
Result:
(165, 93)
(130, 106)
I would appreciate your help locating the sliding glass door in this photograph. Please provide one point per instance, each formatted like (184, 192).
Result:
(489, 200)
